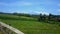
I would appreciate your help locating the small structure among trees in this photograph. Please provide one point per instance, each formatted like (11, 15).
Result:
(58, 19)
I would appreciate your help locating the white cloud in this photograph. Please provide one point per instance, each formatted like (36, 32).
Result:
(43, 12)
(2, 3)
(31, 12)
(18, 11)
(20, 3)
(58, 10)
(24, 3)
(58, 4)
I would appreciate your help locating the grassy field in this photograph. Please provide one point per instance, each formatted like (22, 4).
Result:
(30, 25)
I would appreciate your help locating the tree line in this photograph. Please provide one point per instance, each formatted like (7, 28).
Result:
(39, 17)
(49, 18)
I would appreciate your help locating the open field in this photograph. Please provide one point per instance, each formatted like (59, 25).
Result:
(29, 25)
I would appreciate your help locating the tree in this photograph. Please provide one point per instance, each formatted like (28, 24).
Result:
(1, 12)
(40, 17)
(15, 13)
(44, 17)
(50, 16)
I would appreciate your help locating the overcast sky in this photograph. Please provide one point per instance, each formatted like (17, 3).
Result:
(30, 6)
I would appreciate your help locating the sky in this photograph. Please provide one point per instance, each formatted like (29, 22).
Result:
(30, 6)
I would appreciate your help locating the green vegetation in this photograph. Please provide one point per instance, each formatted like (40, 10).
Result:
(30, 25)
(1, 32)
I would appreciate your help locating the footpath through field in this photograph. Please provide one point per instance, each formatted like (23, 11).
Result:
(11, 28)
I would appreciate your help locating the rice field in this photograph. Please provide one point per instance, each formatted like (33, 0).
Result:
(29, 25)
